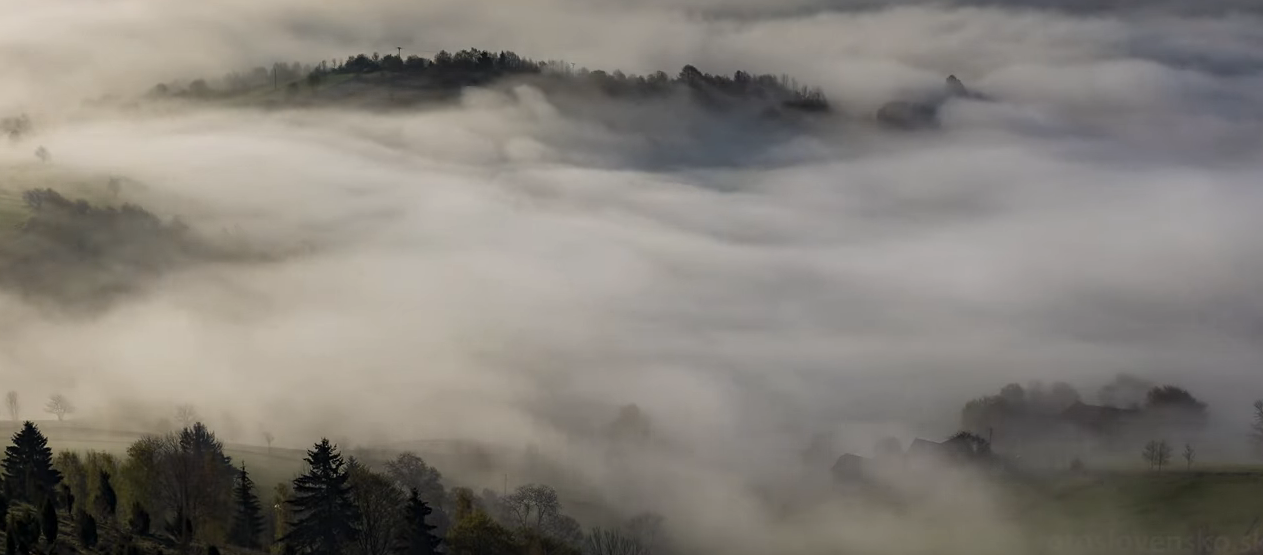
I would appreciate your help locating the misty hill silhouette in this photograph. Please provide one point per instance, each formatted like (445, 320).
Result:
(80, 254)
(396, 81)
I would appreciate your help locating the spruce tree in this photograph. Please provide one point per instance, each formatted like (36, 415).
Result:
(87, 531)
(139, 521)
(107, 498)
(247, 523)
(28, 466)
(416, 536)
(325, 515)
(48, 521)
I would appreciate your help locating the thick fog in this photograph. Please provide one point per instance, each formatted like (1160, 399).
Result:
(504, 272)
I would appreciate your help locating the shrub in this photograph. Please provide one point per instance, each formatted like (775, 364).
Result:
(87, 530)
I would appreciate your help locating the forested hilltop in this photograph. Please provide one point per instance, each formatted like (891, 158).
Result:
(394, 80)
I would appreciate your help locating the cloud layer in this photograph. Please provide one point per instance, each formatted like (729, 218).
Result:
(505, 272)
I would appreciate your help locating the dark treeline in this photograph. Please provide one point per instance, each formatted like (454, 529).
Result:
(1126, 412)
(473, 67)
(179, 492)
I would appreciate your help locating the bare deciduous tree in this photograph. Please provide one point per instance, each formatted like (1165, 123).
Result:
(1157, 454)
(381, 509)
(60, 406)
(610, 542)
(1189, 455)
(186, 415)
(538, 508)
(412, 472)
(11, 400)
(1256, 427)
(532, 505)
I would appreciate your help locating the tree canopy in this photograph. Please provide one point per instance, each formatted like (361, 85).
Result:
(324, 514)
(28, 466)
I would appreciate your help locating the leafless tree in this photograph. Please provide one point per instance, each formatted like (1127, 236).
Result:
(1256, 427)
(412, 472)
(60, 406)
(1164, 454)
(1157, 454)
(1189, 455)
(11, 400)
(609, 542)
(537, 507)
(532, 505)
(186, 474)
(268, 437)
(186, 415)
(381, 508)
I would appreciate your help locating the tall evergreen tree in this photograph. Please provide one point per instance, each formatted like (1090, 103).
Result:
(28, 466)
(325, 515)
(106, 496)
(417, 537)
(48, 521)
(87, 530)
(247, 523)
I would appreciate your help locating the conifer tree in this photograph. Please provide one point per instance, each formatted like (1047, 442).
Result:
(325, 515)
(139, 521)
(108, 499)
(87, 530)
(28, 466)
(417, 537)
(48, 521)
(247, 523)
(68, 498)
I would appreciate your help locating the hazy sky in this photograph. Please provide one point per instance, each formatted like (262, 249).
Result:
(503, 271)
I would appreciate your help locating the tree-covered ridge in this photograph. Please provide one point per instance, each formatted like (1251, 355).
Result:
(473, 67)
(70, 249)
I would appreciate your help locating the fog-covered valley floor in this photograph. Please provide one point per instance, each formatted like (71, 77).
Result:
(513, 266)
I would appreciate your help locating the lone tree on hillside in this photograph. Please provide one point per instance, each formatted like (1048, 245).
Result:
(60, 406)
(247, 523)
(186, 415)
(324, 514)
(11, 401)
(416, 536)
(28, 467)
(1157, 454)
